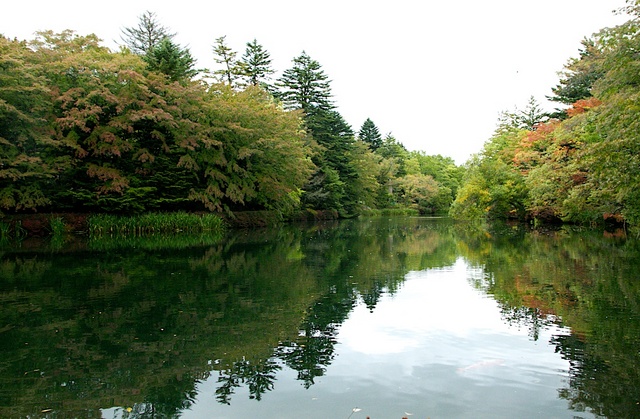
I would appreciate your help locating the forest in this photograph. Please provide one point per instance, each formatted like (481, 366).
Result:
(87, 129)
(579, 164)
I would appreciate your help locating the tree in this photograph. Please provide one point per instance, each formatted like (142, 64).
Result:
(25, 145)
(170, 59)
(256, 65)
(530, 116)
(224, 55)
(147, 35)
(305, 86)
(259, 160)
(370, 135)
(423, 193)
(579, 75)
(394, 150)
(493, 187)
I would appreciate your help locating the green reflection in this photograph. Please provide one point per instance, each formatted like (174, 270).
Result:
(138, 325)
(582, 279)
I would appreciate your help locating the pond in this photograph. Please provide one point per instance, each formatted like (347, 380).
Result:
(380, 317)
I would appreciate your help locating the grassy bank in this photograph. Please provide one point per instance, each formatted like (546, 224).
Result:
(19, 227)
(153, 223)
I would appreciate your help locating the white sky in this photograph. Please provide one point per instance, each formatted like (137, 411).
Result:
(436, 74)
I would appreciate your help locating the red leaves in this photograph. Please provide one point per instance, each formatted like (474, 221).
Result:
(112, 178)
(583, 105)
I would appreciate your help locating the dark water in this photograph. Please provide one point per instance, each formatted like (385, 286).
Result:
(386, 318)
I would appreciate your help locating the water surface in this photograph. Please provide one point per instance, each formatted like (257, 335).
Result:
(384, 318)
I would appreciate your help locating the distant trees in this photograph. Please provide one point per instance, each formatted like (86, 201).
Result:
(83, 128)
(582, 169)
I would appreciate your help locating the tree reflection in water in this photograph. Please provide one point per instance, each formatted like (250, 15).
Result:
(143, 327)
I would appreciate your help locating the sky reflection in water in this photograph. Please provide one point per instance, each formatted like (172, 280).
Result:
(437, 348)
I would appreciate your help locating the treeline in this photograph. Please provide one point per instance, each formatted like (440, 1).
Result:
(580, 164)
(87, 129)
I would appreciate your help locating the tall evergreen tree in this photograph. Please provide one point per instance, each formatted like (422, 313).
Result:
(305, 86)
(370, 135)
(168, 58)
(147, 35)
(224, 55)
(256, 65)
(579, 75)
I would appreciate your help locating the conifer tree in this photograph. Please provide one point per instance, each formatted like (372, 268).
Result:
(305, 86)
(224, 55)
(370, 135)
(168, 58)
(147, 35)
(256, 65)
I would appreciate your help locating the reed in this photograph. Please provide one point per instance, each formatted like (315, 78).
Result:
(390, 212)
(5, 230)
(57, 226)
(153, 223)
(154, 241)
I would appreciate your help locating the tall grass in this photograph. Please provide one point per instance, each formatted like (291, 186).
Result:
(5, 230)
(153, 223)
(57, 226)
(390, 212)
(9, 232)
(154, 241)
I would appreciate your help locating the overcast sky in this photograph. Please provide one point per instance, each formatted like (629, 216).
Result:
(435, 74)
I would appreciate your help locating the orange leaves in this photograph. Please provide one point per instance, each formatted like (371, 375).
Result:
(583, 105)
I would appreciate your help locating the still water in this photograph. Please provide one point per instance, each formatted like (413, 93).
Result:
(379, 318)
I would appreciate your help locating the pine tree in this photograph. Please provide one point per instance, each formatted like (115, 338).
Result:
(305, 86)
(224, 55)
(370, 135)
(168, 58)
(147, 35)
(256, 65)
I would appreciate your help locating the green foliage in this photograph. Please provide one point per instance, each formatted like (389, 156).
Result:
(84, 128)
(370, 135)
(423, 193)
(147, 35)
(256, 65)
(153, 223)
(168, 58)
(492, 187)
(305, 86)
(580, 74)
(25, 163)
(224, 55)
(57, 226)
